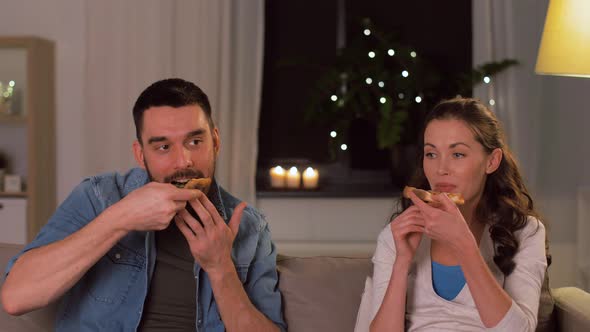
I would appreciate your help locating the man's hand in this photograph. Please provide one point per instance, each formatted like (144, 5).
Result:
(152, 207)
(211, 243)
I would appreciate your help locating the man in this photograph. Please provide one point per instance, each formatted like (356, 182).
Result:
(124, 254)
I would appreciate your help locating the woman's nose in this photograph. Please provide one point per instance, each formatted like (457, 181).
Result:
(443, 167)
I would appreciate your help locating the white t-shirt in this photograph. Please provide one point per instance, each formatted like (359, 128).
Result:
(427, 311)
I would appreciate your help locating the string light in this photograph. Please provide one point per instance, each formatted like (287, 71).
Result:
(334, 97)
(367, 32)
(333, 134)
(11, 83)
(487, 80)
(492, 102)
(391, 52)
(418, 99)
(343, 147)
(381, 84)
(369, 80)
(413, 54)
(405, 73)
(371, 54)
(400, 95)
(382, 100)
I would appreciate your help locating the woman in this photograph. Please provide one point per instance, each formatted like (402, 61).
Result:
(472, 267)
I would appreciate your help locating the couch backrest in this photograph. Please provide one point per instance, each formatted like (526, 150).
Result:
(322, 293)
(35, 321)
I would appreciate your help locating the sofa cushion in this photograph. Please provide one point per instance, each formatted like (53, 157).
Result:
(322, 293)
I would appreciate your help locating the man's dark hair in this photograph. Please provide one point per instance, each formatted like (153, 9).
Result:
(173, 92)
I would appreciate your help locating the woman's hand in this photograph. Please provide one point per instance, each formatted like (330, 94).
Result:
(407, 229)
(443, 222)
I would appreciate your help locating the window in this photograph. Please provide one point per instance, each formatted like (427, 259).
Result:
(301, 42)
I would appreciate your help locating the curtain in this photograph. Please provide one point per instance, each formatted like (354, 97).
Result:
(217, 45)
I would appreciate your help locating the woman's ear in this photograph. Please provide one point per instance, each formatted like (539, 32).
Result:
(138, 154)
(494, 160)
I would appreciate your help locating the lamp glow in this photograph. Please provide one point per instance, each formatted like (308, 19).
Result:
(565, 45)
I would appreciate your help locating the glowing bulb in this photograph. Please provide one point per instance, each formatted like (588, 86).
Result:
(293, 170)
(405, 73)
(369, 80)
(391, 52)
(334, 97)
(413, 54)
(492, 102)
(367, 32)
(371, 54)
(279, 170)
(11, 83)
(400, 95)
(382, 100)
(333, 134)
(487, 80)
(343, 147)
(418, 99)
(381, 84)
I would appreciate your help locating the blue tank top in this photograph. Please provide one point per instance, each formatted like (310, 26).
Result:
(447, 280)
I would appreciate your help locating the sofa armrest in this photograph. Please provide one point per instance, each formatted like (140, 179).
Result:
(572, 306)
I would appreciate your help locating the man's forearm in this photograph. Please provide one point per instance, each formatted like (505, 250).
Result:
(42, 275)
(237, 311)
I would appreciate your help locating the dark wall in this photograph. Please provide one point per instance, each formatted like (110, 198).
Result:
(304, 31)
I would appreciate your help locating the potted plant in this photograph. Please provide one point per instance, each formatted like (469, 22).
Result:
(390, 86)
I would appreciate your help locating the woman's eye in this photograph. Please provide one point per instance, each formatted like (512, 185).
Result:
(430, 155)
(458, 155)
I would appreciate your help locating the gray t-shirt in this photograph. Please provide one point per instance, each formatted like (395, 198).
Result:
(171, 301)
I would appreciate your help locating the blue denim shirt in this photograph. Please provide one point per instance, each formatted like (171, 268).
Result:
(111, 295)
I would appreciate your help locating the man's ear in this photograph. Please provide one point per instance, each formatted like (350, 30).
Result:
(216, 141)
(494, 160)
(138, 154)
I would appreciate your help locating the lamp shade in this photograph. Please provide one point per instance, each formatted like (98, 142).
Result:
(565, 45)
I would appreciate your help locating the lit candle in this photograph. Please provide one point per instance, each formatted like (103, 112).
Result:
(310, 178)
(277, 177)
(293, 178)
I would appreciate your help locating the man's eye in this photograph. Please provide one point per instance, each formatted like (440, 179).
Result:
(163, 147)
(194, 142)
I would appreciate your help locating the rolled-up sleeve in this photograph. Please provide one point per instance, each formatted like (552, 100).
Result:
(77, 210)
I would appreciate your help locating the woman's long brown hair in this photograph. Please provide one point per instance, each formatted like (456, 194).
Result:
(506, 203)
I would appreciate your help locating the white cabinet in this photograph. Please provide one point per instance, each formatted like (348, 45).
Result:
(13, 217)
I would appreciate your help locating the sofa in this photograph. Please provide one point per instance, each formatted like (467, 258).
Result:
(320, 294)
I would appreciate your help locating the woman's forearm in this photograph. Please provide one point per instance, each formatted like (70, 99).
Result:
(491, 300)
(391, 313)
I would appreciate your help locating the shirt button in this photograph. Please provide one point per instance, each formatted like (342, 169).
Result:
(199, 322)
(117, 255)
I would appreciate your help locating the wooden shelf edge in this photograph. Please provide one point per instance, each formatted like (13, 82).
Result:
(12, 195)
(4, 118)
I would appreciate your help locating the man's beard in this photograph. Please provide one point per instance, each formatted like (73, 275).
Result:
(187, 173)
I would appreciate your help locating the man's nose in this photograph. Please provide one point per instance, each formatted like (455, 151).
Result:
(183, 158)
